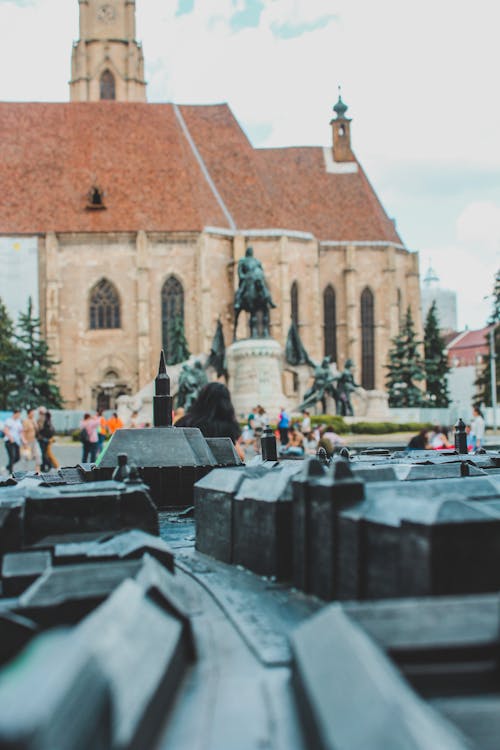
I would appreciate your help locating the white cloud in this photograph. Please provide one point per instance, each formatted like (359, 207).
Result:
(420, 79)
(478, 228)
(469, 266)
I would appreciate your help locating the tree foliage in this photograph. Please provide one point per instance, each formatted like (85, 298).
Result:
(406, 367)
(178, 350)
(11, 360)
(436, 362)
(483, 381)
(27, 376)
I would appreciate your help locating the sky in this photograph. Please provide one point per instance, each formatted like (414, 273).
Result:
(421, 80)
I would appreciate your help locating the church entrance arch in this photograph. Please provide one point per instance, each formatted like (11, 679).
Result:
(106, 393)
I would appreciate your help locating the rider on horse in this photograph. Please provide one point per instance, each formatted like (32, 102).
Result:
(252, 294)
(249, 272)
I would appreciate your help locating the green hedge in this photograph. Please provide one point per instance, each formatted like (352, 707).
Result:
(338, 424)
(361, 428)
(386, 428)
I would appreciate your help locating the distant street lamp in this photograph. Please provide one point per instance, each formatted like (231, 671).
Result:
(493, 376)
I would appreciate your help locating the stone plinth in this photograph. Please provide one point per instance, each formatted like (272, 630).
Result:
(254, 367)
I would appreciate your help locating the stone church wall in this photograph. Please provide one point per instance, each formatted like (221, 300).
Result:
(206, 265)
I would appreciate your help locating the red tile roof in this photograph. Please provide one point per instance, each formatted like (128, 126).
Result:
(52, 154)
(331, 206)
(467, 347)
(470, 340)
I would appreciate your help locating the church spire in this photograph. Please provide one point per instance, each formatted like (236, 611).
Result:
(107, 61)
(341, 129)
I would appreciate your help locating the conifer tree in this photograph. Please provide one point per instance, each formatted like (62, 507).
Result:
(483, 381)
(436, 362)
(405, 367)
(36, 384)
(178, 350)
(11, 361)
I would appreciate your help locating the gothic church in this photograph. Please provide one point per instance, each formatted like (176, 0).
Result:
(142, 211)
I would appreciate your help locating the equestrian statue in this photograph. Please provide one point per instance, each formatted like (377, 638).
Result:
(253, 296)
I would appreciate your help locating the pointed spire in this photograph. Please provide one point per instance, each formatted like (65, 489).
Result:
(162, 381)
(162, 400)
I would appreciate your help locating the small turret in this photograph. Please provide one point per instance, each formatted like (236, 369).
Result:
(162, 400)
(460, 437)
(341, 127)
(268, 445)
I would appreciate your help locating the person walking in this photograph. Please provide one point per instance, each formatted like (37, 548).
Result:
(102, 430)
(50, 435)
(114, 423)
(90, 441)
(13, 434)
(30, 446)
(478, 427)
(261, 421)
(283, 425)
(46, 432)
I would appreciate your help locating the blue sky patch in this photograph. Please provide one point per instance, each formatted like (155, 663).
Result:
(247, 17)
(289, 30)
(258, 132)
(184, 6)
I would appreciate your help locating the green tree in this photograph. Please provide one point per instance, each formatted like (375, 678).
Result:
(483, 381)
(177, 345)
(11, 361)
(37, 380)
(436, 362)
(405, 367)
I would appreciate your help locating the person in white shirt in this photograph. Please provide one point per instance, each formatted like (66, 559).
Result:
(477, 427)
(306, 423)
(13, 436)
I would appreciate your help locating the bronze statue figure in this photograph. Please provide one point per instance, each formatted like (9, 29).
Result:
(346, 385)
(191, 381)
(323, 385)
(252, 295)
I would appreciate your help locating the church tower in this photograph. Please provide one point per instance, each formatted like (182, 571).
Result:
(341, 127)
(107, 62)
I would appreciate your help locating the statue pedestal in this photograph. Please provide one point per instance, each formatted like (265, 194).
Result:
(254, 369)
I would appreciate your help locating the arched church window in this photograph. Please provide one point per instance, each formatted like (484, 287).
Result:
(341, 130)
(400, 309)
(294, 302)
(108, 85)
(104, 306)
(172, 311)
(367, 340)
(330, 323)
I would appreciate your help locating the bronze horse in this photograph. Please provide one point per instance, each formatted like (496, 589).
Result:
(254, 299)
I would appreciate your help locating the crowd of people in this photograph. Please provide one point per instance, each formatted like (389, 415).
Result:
(95, 428)
(30, 439)
(296, 437)
(438, 438)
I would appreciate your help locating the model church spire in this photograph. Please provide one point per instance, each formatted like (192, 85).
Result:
(107, 62)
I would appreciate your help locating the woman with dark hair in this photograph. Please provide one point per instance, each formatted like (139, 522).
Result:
(419, 442)
(213, 414)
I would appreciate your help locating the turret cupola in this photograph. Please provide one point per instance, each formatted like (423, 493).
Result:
(341, 127)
